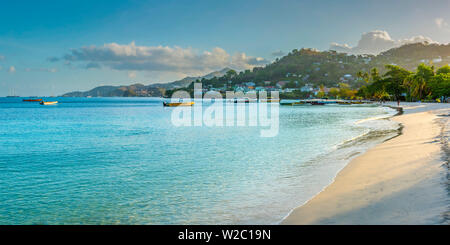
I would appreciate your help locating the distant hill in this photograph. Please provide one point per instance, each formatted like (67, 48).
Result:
(188, 80)
(152, 90)
(297, 68)
(330, 68)
(118, 91)
(411, 55)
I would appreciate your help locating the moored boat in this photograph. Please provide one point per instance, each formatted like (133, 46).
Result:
(286, 103)
(344, 103)
(244, 100)
(270, 100)
(48, 102)
(172, 104)
(32, 100)
(317, 103)
(299, 103)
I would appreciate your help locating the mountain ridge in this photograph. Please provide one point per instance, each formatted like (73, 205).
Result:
(138, 89)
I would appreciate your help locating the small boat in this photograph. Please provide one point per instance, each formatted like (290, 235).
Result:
(317, 103)
(299, 103)
(294, 103)
(32, 100)
(48, 102)
(286, 103)
(344, 103)
(243, 100)
(172, 104)
(270, 100)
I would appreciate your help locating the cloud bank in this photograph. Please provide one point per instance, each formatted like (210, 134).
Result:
(375, 42)
(131, 57)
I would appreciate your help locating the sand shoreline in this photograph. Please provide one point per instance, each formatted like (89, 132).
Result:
(396, 182)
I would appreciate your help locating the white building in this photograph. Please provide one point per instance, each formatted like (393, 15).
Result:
(307, 88)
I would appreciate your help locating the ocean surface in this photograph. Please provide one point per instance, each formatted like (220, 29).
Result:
(122, 161)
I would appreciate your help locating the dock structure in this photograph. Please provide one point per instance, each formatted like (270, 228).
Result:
(324, 102)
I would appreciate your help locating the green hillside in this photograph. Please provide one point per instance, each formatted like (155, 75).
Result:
(329, 68)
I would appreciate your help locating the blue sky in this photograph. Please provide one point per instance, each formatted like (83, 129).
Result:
(53, 47)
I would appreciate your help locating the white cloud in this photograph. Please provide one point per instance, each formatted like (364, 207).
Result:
(241, 61)
(375, 42)
(12, 69)
(2, 57)
(160, 58)
(132, 74)
(440, 22)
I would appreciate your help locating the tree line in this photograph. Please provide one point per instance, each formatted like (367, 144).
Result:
(397, 83)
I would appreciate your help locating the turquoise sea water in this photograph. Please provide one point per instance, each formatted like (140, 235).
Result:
(121, 161)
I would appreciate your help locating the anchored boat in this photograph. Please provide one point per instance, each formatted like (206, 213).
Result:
(270, 100)
(300, 103)
(172, 104)
(32, 100)
(48, 102)
(244, 100)
(317, 103)
(294, 103)
(344, 103)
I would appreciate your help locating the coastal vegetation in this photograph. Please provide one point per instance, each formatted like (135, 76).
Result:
(424, 84)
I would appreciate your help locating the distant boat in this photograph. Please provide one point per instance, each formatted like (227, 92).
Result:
(178, 104)
(300, 103)
(32, 100)
(344, 103)
(270, 100)
(294, 103)
(48, 102)
(317, 103)
(286, 103)
(244, 100)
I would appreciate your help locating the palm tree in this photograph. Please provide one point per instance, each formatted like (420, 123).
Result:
(407, 83)
(418, 86)
(418, 81)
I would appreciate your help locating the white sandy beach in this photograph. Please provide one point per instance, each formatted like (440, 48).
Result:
(401, 181)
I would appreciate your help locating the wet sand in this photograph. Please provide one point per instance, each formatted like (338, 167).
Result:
(401, 181)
